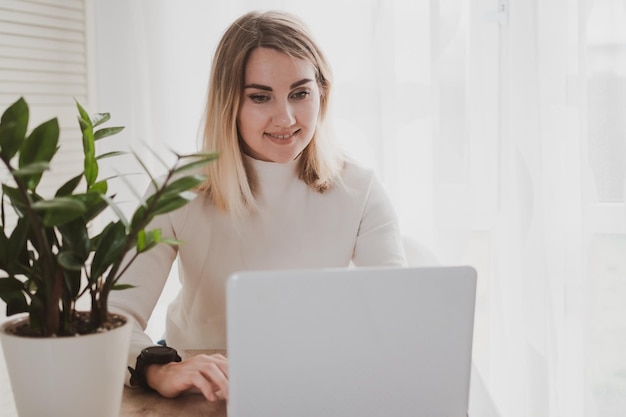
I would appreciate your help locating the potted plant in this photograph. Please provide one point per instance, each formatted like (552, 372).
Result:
(50, 256)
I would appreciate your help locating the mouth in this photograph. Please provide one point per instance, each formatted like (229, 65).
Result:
(282, 135)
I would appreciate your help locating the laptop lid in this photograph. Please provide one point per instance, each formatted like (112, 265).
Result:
(350, 342)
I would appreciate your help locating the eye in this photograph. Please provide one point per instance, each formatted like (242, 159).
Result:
(259, 98)
(300, 95)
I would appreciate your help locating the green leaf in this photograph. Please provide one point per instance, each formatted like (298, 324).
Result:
(118, 212)
(9, 144)
(169, 198)
(107, 131)
(95, 204)
(140, 217)
(89, 148)
(118, 287)
(182, 184)
(70, 261)
(31, 169)
(16, 303)
(100, 187)
(36, 312)
(4, 247)
(148, 240)
(59, 203)
(109, 248)
(172, 242)
(198, 160)
(12, 293)
(91, 168)
(76, 239)
(83, 116)
(73, 283)
(60, 210)
(69, 186)
(209, 156)
(17, 243)
(84, 125)
(169, 204)
(15, 197)
(191, 166)
(10, 284)
(100, 118)
(147, 247)
(110, 154)
(13, 126)
(141, 240)
(39, 146)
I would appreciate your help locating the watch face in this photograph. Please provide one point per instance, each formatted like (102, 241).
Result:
(159, 354)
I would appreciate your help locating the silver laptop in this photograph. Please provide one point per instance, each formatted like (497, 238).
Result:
(358, 342)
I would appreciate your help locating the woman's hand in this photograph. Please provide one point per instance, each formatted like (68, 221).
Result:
(207, 374)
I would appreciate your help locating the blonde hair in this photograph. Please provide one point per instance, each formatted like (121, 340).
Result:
(231, 183)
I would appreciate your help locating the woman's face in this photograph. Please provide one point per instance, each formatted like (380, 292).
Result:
(280, 106)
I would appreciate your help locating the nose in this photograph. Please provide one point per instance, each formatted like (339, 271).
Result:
(283, 115)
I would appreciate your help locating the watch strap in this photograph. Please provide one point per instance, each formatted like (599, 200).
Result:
(150, 356)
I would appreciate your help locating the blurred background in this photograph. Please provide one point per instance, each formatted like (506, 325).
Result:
(497, 126)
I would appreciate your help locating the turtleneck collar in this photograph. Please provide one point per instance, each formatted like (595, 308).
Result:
(272, 174)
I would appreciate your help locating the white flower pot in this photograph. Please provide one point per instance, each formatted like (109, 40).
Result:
(67, 376)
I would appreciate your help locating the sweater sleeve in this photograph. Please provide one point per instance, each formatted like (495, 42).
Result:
(379, 240)
(148, 275)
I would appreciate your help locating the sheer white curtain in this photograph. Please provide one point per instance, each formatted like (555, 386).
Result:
(498, 129)
(557, 268)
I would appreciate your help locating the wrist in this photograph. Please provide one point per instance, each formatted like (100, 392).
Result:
(153, 374)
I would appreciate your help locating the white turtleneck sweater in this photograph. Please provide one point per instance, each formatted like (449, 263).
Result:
(295, 227)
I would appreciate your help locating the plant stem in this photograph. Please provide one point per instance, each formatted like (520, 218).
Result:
(114, 273)
(52, 321)
(49, 271)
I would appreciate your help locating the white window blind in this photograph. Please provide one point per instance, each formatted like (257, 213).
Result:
(44, 58)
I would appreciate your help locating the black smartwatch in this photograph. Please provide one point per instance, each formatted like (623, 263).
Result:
(149, 356)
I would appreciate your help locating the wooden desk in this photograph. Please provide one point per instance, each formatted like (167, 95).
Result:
(139, 402)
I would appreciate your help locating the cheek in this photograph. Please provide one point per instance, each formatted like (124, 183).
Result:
(247, 119)
(311, 113)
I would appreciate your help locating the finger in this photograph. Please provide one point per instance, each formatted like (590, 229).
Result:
(218, 359)
(204, 386)
(207, 361)
(214, 374)
(218, 392)
(206, 374)
(222, 362)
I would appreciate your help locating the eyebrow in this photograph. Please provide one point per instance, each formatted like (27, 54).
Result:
(268, 88)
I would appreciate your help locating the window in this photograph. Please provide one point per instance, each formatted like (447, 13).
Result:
(45, 58)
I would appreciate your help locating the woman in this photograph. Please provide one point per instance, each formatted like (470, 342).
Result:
(280, 196)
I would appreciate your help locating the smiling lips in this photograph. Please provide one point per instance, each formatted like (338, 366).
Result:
(281, 136)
